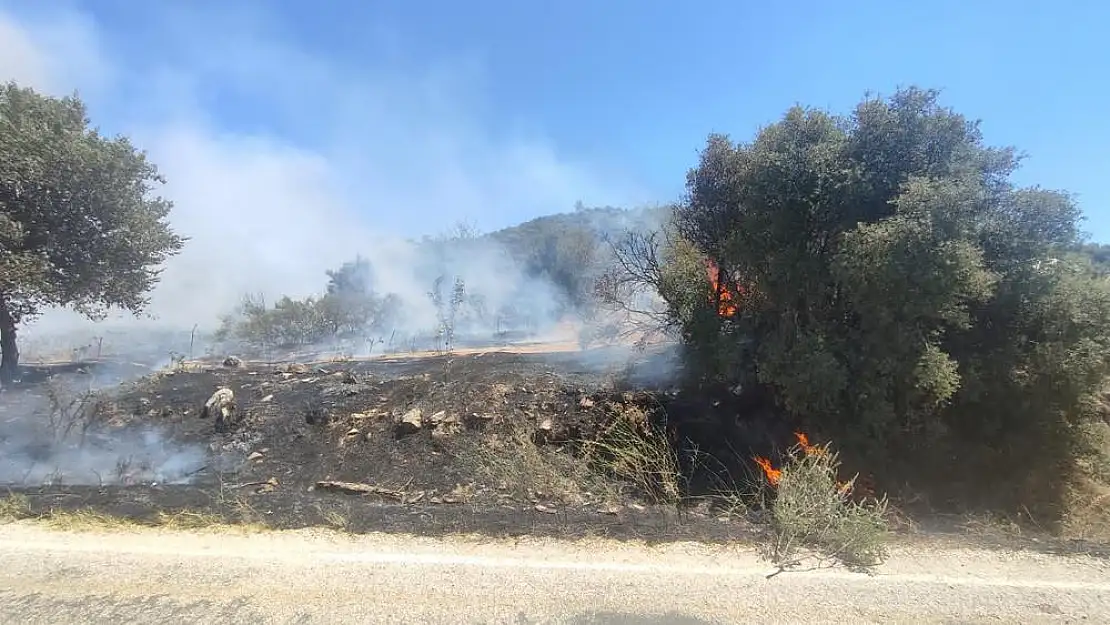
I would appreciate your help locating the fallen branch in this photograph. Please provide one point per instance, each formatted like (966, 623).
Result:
(358, 488)
(270, 482)
(192, 473)
(249, 484)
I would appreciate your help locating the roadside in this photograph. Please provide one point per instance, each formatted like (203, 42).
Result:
(314, 576)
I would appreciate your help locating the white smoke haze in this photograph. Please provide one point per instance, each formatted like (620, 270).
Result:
(52, 433)
(33, 457)
(327, 162)
(339, 162)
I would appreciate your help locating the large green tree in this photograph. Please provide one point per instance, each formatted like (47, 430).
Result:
(79, 226)
(895, 288)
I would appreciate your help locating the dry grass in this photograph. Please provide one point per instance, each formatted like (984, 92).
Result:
(335, 519)
(71, 409)
(17, 507)
(1087, 498)
(634, 450)
(581, 472)
(85, 519)
(230, 497)
(1087, 515)
(1095, 463)
(89, 519)
(520, 468)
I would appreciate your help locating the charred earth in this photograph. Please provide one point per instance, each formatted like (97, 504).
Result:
(491, 441)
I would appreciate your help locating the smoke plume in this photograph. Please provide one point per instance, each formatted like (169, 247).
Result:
(282, 164)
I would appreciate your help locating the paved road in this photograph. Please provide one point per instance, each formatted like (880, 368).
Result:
(164, 577)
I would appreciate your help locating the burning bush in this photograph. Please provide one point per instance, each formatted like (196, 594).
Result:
(813, 508)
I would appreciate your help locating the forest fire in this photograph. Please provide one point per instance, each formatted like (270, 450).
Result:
(726, 306)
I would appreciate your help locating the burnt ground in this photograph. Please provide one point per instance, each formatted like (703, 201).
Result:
(482, 442)
(294, 426)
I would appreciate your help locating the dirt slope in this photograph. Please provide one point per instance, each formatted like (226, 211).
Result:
(490, 446)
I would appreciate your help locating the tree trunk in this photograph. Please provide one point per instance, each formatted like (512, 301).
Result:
(9, 351)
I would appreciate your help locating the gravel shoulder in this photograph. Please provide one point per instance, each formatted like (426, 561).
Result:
(313, 576)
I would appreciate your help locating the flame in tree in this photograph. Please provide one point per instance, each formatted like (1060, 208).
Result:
(722, 295)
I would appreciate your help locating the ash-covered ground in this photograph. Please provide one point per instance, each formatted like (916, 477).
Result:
(469, 441)
(487, 442)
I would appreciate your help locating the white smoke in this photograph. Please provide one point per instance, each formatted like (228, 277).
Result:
(306, 163)
(332, 162)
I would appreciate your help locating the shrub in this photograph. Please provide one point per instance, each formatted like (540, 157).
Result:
(812, 508)
(896, 291)
(635, 450)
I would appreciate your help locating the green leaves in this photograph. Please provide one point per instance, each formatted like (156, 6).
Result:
(82, 202)
(925, 252)
(900, 284)
(78, 226)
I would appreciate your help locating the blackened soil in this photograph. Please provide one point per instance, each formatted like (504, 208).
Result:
(293, 426)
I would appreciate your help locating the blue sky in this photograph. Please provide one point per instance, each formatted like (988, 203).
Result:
(328, 127)
(640, 83)
(631, 88)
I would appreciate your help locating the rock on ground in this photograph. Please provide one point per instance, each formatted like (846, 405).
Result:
(221, 405)
(409, 423)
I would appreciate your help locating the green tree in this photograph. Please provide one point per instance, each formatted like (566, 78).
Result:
(895, 288)
(349, 308)
(565, 250)
(1097, 254)
(354, 277)
(79, 226)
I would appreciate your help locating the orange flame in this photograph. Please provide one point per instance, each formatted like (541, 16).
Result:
(726, 307)
(773, 474)
(807, 449)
